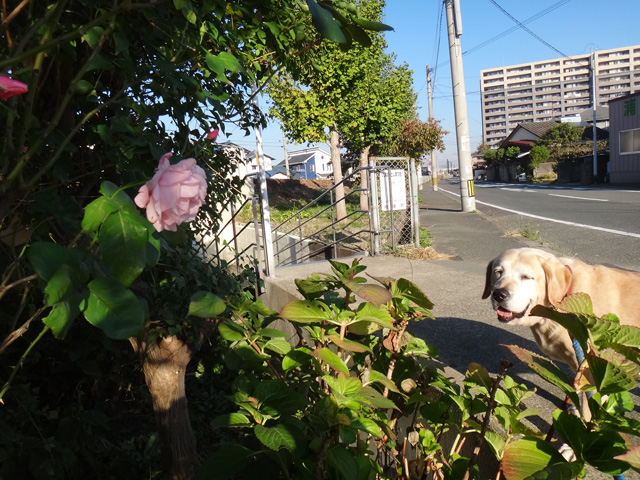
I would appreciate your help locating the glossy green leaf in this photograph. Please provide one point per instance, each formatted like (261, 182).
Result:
(114, 309)
(332, 360)
(92, 37)
(123, 243)
(230, 331)
(374, 294)
(374, 398)
(305, 311)
(230, 420)
(278, 345)
(206, 305)
(343, 385)
(527, 456)
(377, 377)
(296, 358)
(325, 23)
(410, 290)
(47, 257)
(368, 319)
(272, 333)
(96, 212)
(348, 345)
(117, 195)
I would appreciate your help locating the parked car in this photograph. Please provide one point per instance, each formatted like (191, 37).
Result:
(522, 177)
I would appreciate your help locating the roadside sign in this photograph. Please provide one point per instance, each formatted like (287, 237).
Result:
(398, 190)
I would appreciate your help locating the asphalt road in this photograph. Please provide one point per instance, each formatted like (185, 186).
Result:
(596, 225)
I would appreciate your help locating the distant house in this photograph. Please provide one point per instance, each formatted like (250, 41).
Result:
(246, 159)
(279, 172)
(310, 163)
(624, 139)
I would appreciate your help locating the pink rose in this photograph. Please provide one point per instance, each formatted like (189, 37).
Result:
(213, 134)
(10, 87)
(174, 194)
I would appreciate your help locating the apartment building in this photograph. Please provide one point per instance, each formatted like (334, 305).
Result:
(553, 89)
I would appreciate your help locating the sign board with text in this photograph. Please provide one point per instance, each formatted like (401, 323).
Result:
(398, 198)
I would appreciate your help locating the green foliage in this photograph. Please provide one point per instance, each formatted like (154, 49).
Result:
(414, 138)
(538, 154)
(329, 406)
(564, 142)
(600, 437)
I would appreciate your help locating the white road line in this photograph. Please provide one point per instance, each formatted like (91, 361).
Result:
(579, 198)
(563, 222)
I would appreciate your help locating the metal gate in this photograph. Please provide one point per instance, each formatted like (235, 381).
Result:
(394, 203)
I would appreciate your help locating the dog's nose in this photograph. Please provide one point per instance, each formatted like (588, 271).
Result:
(500, 294)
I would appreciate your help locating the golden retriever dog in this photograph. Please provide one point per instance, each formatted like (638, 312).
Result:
(521, 278)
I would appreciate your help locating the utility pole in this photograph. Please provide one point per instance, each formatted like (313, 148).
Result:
(286, 156)
(454, 29)
(434, 169)
(594, 97)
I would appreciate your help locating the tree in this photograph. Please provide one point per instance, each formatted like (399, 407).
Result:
(112, 86)
(413, 138)
(561, 140)
(320, 106)
(538, 154)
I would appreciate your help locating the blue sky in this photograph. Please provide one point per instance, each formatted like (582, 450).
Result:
(572, 27)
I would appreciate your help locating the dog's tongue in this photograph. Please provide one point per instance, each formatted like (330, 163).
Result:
(504, 314)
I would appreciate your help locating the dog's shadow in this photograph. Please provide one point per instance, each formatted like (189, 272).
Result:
(460, 342)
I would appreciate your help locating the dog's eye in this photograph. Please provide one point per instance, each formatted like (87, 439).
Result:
(526, 277)
(497, 272)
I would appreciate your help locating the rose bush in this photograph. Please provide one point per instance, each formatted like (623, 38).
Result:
(174, 194)
(10, 87)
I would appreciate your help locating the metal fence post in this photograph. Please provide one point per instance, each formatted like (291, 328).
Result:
(374, 212)
(415, 218)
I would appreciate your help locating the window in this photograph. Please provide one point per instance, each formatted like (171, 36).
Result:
(630, 141)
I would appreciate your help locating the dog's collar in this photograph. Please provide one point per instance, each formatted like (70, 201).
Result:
(571, 284)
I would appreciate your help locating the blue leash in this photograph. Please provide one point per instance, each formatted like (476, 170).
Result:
(580, 357)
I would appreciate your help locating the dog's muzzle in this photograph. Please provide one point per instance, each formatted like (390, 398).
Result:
(499, 296)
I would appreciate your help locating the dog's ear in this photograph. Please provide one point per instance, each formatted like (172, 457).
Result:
(559, 280)
(487, 283)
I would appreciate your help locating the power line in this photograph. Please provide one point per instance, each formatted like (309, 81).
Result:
(438, 36)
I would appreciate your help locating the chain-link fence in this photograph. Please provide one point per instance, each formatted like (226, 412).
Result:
(394, 202)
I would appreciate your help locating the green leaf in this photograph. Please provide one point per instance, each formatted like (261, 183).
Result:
(348, 345)
(296, 358)
(576, 328)
(47, 257)
(367, 425)
(369, 318)
(343, 462)
(632, 457)
(278, 345)
(231, 332)
(332, 360)
(375, 376)
(272, 333)
(359, 35)
(62, 283)
(547, 370)
(225, 463)
(96, 212)
(571, 430)
(206, 305)
(306, 311)
(114, 309)
(600, 450)
(64, 313)
(407, 289)
(230, 420)
(123, 243)
(115, 194)
(275, 438)
(610, 378)
(92, 37)
(375, 294)
(373, 398)
(325, 23)
(221, 62)
(347, 386)
(527, 456)
(375, 26)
